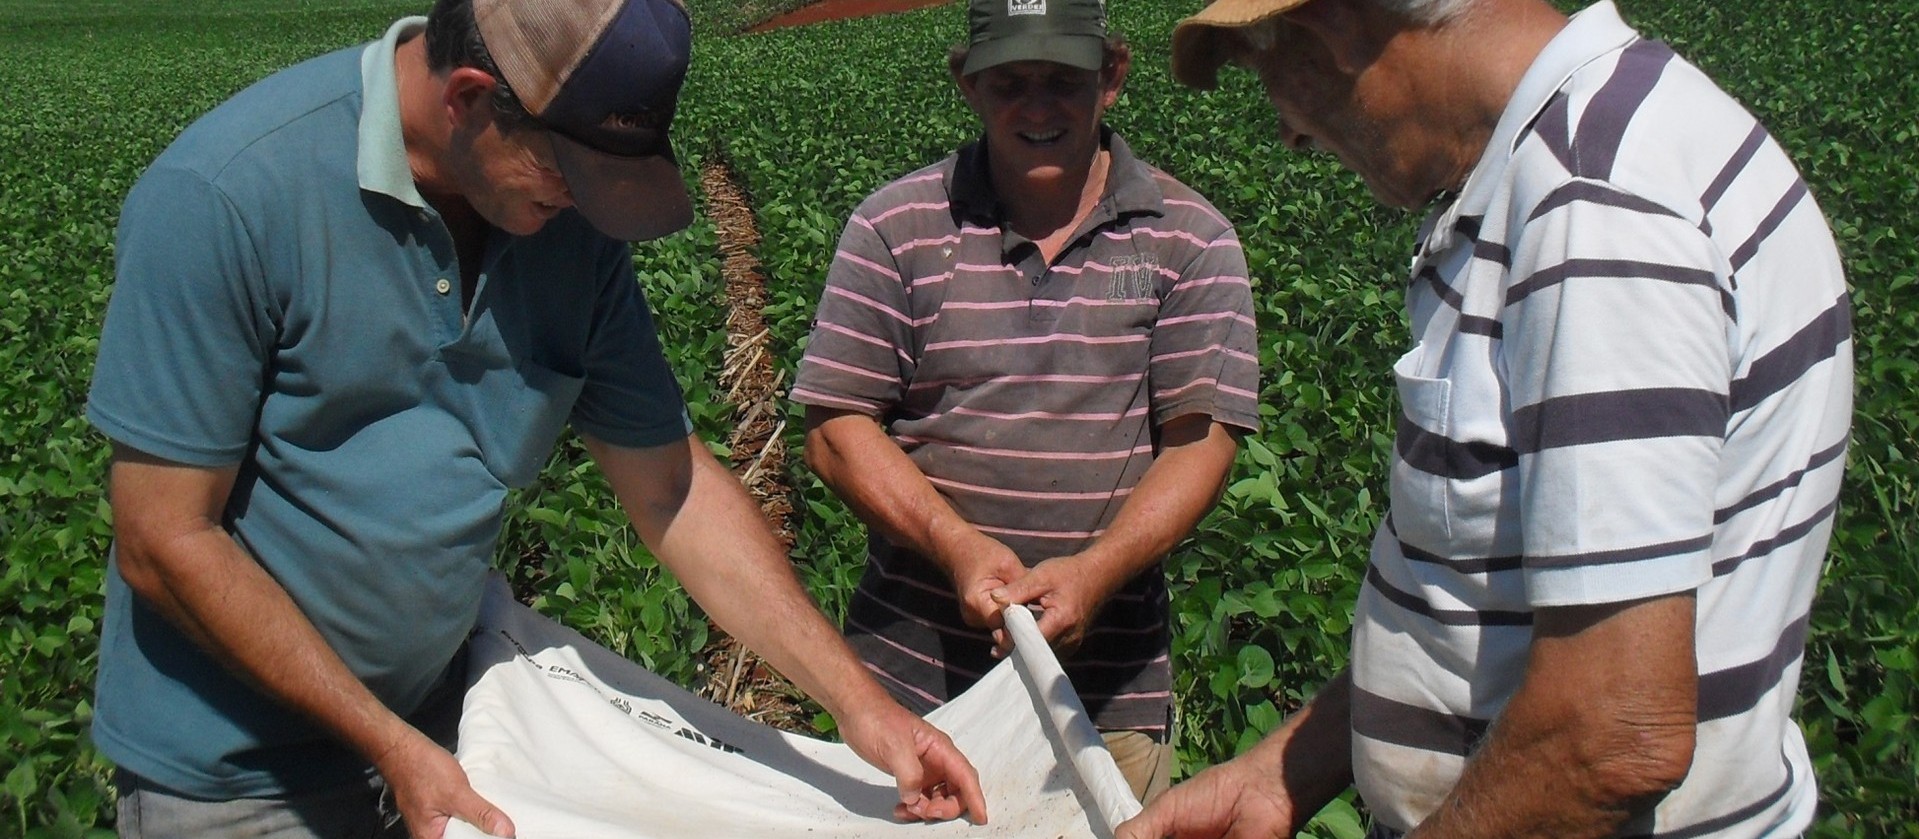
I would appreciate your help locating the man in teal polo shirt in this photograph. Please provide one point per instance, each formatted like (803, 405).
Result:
(354, 306)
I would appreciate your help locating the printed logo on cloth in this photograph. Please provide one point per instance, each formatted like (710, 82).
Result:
(708, 740)
(1025, 7)
(517, 646)
(1135, 277)
(564, 673)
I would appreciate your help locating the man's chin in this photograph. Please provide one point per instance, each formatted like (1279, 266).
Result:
(1046, 173)
(1397, 199)
(525, 225)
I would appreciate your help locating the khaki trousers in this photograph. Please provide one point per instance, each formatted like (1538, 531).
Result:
(1147, 765)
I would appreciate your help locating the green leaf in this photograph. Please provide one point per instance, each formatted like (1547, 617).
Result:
(20, 781)
(1263, 717)
(1255, 666)
(1338, 820)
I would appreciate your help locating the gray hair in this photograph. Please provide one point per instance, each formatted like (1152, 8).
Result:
(1425, 11)
(1262, 36)
(453, 41)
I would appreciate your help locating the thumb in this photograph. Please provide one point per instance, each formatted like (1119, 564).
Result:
(1021, 590)
(481, 813)
(1146, 825)
(910, 776)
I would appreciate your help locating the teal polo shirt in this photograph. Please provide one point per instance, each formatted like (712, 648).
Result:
(285, 302)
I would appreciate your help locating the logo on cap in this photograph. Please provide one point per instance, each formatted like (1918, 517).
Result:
(1025, 7)
(643, 120)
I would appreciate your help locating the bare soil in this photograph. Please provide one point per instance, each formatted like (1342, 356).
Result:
(826, 10)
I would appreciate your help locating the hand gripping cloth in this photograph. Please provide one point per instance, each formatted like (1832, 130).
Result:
(570, 740)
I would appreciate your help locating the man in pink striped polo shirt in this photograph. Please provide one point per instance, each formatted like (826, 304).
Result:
(1028, 375)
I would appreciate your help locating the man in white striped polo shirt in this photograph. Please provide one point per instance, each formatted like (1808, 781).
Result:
(1027, 376)
(1623, 422)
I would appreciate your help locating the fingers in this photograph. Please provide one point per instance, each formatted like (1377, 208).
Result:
(936, 782)
(937, 803)
(430, 788)
(910, 776)
(960, 781)
(922, 798)
(973, 799)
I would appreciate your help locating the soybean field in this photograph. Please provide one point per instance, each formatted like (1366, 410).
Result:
(806, 122)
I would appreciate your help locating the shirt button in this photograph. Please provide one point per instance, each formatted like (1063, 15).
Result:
(443, 286)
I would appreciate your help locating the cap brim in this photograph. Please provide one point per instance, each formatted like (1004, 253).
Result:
(1198, 50)
(1086, 52)
(628, 198)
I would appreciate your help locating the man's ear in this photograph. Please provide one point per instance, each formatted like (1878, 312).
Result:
(1347, 31)
(467, 97)
(965, 83)
(1112, 77)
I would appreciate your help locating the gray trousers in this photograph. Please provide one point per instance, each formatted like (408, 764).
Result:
(361, 810)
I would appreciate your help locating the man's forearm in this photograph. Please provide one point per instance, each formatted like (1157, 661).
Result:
(866, 469)
(702, 524)
(206, 585)
(1176, 492)
(1597, 735)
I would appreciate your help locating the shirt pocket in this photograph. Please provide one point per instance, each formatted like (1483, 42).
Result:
(1419, 492)
(531, 411)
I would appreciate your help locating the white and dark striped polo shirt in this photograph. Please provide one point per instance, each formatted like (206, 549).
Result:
(1028, 394)
(1632, 377)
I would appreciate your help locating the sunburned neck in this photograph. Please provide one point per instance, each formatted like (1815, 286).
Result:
(1048, 211)
(423, 123)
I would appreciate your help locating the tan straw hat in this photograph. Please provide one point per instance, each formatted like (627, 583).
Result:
(1197, 51)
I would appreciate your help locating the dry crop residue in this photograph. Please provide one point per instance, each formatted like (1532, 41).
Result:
(735, 677)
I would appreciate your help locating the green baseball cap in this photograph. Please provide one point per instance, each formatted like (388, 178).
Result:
(1070, 32)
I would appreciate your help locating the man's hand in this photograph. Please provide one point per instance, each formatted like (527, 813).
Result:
(429, 787)
(1069, 590)
(980, 568)
(1185, 479)
(1271, 790)
(702, 525)
(936, 782)
(1231, 800)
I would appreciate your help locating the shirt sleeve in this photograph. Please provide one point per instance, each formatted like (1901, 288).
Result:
(1617, 357)
(630, 397)
(1203, 357)
(189, 329)
(856, 358)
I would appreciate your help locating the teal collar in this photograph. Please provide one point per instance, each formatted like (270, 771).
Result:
(383, 166)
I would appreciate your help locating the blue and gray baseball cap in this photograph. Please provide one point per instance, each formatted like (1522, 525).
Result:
(603, 76)
(1070, 32)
